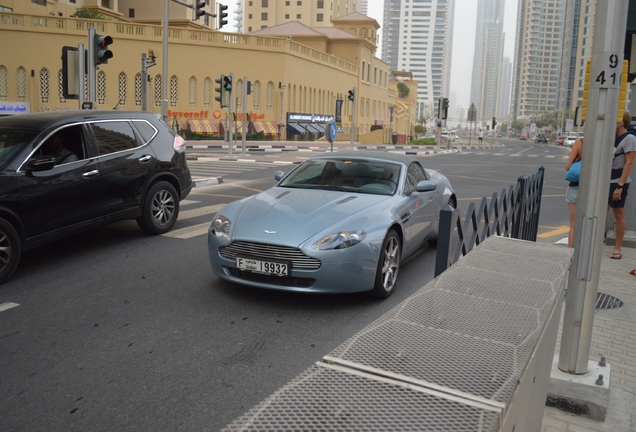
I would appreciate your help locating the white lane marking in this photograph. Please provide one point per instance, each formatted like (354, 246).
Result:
(188, 202)
(189, 232)
(7, 306)
(211, 210)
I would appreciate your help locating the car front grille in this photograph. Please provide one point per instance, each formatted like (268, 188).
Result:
(271, 252)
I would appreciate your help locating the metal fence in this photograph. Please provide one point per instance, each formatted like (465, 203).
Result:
(514, 214)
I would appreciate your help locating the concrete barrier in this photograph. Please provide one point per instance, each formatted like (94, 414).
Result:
(470, 351)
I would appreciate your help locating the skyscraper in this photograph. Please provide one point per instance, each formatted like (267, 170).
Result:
(417, 37)
(487, 58)
(538, 50)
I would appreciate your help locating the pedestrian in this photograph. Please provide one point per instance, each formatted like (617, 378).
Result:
(622, 163)
(481, 136)
(572, 193)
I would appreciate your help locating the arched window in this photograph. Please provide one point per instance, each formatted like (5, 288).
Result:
(174, 91)
(239, 94)
(256, 95)
(60, 87)
(21, 79)
(207, 92)
(44, 85)
(192, 92)
(158, 90)
(138, 92)
(121, 88)
(4, 83)
(270, 96)
(101, 88)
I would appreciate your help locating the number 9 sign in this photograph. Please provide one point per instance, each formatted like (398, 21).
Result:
(607, 70)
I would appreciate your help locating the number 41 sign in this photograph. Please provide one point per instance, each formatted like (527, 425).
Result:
(607, 70)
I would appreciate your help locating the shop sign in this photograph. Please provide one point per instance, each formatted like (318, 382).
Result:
(309, 118)
(12, 108)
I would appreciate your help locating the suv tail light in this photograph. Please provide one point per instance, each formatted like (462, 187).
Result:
(179, 144)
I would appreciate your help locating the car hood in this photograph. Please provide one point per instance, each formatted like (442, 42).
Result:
(291, 216)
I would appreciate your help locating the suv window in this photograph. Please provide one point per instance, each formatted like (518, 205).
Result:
(146, 130)
(12, 141)
(113, 136)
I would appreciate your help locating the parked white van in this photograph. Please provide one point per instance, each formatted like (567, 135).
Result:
(452, 135)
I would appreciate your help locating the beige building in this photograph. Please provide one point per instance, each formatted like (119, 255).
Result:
(302, 74)
(259, 14)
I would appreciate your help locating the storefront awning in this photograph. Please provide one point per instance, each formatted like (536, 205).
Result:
(203, 126)
(296, 128)
(267, 127)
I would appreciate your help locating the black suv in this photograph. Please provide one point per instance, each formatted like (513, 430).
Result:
(541, 138)
(67, 171)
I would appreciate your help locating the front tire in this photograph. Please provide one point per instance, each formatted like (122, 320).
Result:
(160, 210)
(10, 250)
(388, 266)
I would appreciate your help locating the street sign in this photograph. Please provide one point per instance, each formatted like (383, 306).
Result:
(569, 125)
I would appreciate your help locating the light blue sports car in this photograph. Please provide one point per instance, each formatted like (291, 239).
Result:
(338, 223)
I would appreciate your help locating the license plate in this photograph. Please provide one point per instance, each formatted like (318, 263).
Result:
(266, 267)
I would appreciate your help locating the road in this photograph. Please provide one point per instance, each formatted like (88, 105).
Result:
(117, 330)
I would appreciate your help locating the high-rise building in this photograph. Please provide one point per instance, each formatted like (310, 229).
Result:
(538, 56)
(503, 108)
(417, 37)
(260, 14)
(578, 32)
(487, 58)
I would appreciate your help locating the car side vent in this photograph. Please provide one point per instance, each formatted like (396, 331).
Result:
(282, 195)
(347, 199)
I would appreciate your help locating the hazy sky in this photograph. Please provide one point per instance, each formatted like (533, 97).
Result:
(463, 40)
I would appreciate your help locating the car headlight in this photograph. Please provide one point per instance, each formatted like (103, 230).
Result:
(340, 240)
(221, 226)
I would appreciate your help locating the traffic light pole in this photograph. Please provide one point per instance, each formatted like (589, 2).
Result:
(353, 116)
(230, 125)
(591, 209)
(81, 52)
(92, 70)
(164, 72)
(244, 114)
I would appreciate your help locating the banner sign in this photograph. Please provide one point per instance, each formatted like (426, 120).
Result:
(339, 110)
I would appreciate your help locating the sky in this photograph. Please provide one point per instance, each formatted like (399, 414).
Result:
(463, 40)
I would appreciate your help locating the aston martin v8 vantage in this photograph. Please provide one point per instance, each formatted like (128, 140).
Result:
(337, 223)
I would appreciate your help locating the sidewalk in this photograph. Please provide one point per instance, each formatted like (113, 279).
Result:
(614, 337)
(261, 151)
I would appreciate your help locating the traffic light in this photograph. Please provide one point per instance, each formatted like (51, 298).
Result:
(249, 87)
(227, 83)
(100, 48)
(198, 9)
(220, 90)
(352, 95)
(494, 123)
(221, 16)
(444, 105)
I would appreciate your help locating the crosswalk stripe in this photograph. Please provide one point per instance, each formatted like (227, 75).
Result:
(201, 211)
(7, 306)
(189, 232)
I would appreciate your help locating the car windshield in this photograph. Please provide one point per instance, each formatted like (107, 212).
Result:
(348, 175)
(12, 141)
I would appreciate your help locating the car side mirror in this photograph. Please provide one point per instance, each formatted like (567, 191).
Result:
(426, 186)
(39, 163)
(278, 175)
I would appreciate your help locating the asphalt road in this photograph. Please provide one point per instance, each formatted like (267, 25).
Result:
(117, 330)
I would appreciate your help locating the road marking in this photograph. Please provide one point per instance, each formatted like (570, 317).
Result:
(7, 306)
(201, 211)
(188, 202)
(189, 232)
(555, 232)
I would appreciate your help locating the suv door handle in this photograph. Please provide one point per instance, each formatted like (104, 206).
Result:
(145, 158)
(90, 174)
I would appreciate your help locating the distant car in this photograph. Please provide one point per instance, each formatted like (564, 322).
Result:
(523, 138)
(569, 141)
(541, 138)
(560, 140)
(67, 171)
(338, 223)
